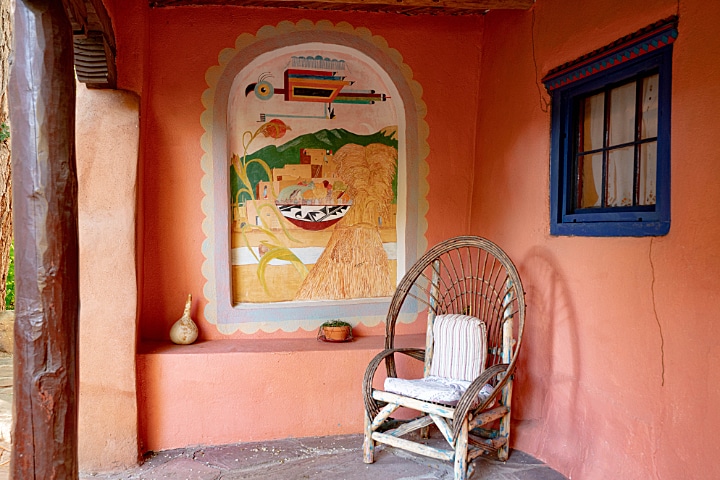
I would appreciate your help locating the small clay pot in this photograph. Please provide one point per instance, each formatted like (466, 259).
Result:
(337, 334)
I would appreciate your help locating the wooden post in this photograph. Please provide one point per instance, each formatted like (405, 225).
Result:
(42, 100)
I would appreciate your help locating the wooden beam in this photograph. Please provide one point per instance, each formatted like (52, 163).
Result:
(103, 21)
(42, 101)
(425, 6)
(88, 16)
(77, 13)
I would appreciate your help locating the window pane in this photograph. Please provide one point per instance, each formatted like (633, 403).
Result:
(648, 173)
(648, 126)
(621, 166)
(590, 176)
(622, 114)
(590, 131)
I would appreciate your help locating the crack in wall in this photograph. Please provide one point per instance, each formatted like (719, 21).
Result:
(657, 318)
(544, 104)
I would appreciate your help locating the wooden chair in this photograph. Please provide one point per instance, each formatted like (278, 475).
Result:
(475, 308)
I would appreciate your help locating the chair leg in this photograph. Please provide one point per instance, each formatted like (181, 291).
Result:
(368, 442)
(504, 452)
(504, 430)
(461, 451)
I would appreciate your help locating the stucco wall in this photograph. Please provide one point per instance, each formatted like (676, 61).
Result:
(166, 61)
(619, 375)
(107, 125)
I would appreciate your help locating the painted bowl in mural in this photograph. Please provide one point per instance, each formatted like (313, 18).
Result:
(312, 217)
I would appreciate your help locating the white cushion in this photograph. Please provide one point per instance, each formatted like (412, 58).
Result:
(460, 351)
(460, 347)
(433, 389)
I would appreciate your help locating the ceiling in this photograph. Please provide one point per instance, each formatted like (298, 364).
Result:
(94, 39)
(406, 7)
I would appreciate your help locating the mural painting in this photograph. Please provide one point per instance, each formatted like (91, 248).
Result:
(313, 144)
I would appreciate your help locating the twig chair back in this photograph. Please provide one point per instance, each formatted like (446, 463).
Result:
(466, 276)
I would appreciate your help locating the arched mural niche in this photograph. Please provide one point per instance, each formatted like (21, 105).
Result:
(314, 178)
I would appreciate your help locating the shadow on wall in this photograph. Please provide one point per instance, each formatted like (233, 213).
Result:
(548, 416)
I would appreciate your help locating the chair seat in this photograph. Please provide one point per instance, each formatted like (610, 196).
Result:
(433, 389)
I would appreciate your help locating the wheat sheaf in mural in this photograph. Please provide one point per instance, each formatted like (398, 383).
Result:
(354, 263)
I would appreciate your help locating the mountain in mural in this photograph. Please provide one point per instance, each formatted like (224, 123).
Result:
(289, 153)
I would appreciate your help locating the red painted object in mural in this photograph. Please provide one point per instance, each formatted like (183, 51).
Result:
(275, 128)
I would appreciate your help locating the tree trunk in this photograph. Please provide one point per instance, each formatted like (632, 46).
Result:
(6, 227)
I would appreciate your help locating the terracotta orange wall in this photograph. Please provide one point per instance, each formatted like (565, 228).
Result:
(620, 369)
(620, 375)
(163, 56)
(182, 43)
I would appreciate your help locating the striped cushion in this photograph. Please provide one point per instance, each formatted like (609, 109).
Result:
(459, 347)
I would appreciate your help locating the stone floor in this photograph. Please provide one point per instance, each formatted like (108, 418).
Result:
(337, 458)
(318, 458)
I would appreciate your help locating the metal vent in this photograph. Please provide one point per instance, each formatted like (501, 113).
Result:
(91, 63)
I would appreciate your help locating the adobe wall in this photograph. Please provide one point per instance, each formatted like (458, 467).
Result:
(619, 375)
(215, 391)
(619, 369)
(107, 126)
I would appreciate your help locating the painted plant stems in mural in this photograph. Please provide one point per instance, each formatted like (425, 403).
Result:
(272, 246)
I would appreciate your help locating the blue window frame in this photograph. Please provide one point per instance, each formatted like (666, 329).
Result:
(610, 138)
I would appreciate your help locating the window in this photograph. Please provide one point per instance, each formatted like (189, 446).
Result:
(610, 151)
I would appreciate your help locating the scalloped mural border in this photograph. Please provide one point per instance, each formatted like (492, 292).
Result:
(212, 77)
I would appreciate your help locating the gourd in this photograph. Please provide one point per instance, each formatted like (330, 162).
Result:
(184, 331)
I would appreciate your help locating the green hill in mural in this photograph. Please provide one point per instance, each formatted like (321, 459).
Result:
(289, 153)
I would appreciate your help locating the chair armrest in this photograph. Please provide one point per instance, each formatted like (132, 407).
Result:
(471, 394)
(371, 406)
